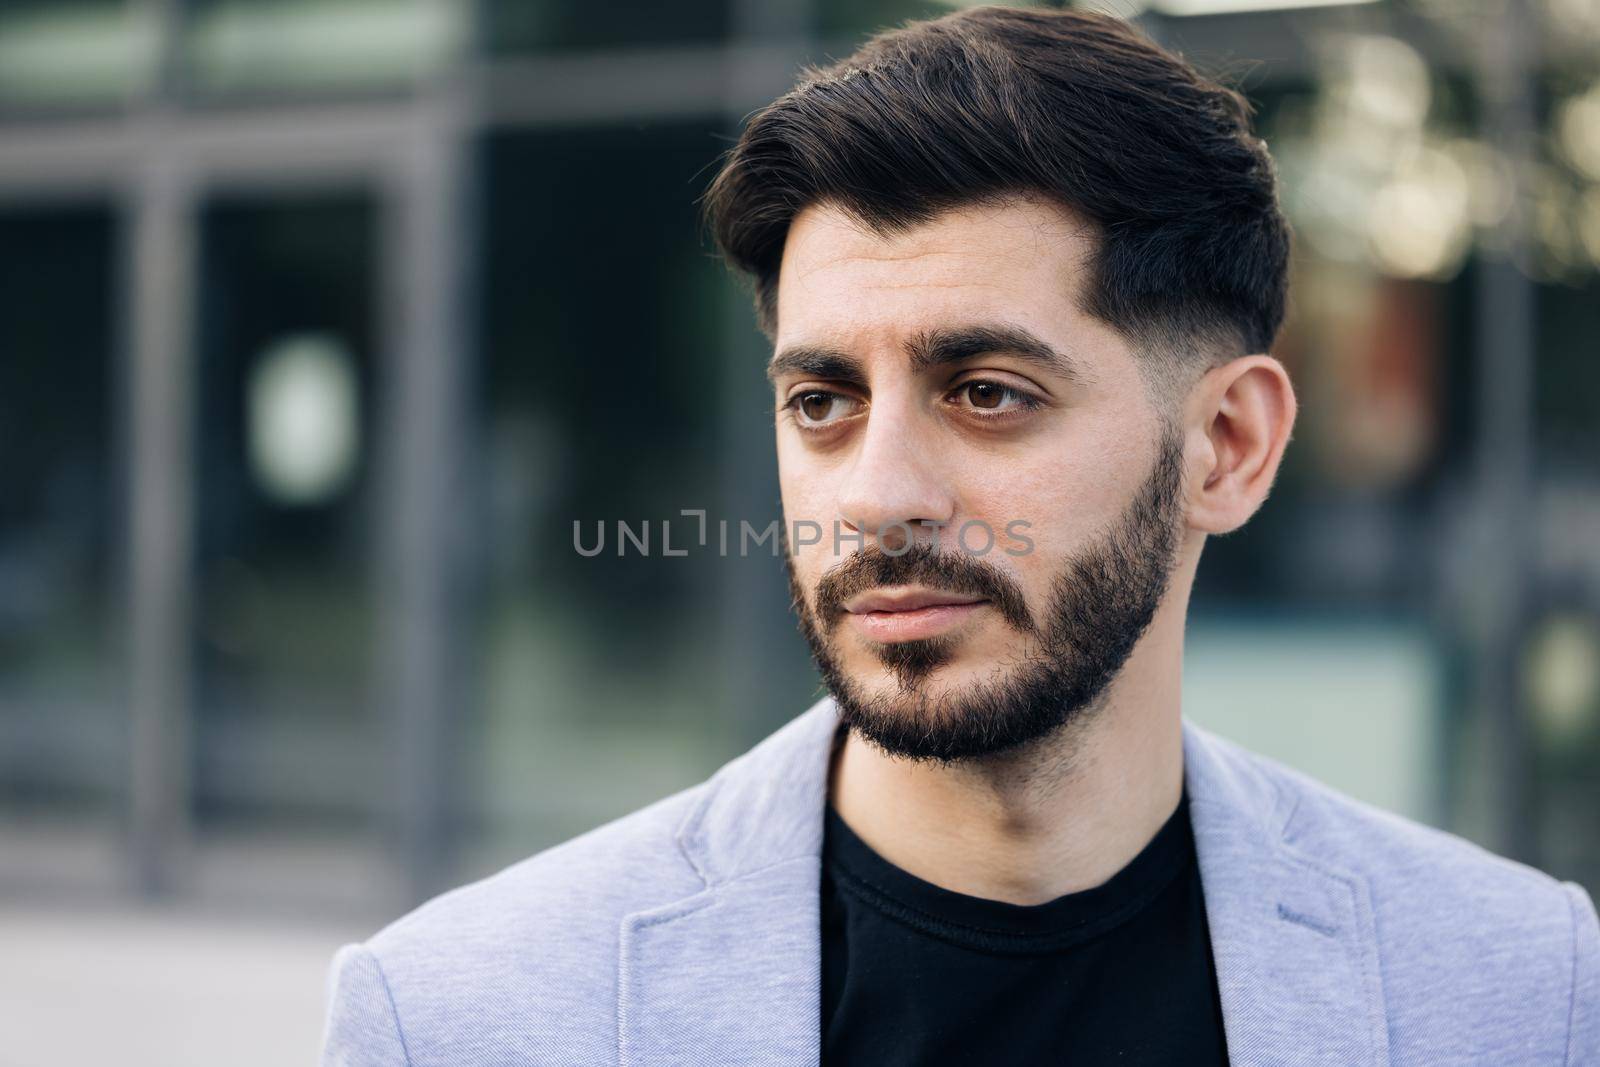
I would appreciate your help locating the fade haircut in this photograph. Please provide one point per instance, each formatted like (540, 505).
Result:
(1190, 256)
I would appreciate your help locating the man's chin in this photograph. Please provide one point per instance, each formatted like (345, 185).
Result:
(917, 677)
(968, 707)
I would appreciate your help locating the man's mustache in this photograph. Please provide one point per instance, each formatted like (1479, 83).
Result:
(922, 564)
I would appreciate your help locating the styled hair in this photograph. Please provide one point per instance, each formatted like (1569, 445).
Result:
(1081, 109)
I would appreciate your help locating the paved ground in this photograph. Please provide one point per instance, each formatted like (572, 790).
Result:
(151, 988)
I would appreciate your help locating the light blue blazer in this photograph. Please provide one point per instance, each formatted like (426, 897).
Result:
(688, 933)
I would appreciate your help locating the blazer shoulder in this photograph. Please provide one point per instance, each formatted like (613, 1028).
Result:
(520, 966)
(1398, 854)
(1468, 940)
(631, 863)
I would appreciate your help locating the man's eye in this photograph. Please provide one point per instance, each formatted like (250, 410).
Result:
(817, 407)
(990, 396)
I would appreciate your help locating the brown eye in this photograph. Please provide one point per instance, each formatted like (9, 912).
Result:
(816, 406)
(815, 409)
(995, 399)
(986, 394)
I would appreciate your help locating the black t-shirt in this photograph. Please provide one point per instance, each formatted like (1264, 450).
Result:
(915, 974)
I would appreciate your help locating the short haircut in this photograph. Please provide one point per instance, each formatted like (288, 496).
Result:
(1082, 109)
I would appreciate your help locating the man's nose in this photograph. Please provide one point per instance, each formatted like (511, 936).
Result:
(897, 482)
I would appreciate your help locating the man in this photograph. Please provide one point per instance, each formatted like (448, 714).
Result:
(1022, 271)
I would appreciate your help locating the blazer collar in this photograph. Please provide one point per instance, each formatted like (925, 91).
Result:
(732, 974)
(765, 806)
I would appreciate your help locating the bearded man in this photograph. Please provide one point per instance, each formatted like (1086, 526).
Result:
(1022, 271)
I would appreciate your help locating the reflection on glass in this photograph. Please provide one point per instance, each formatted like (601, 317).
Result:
(304, 419)
(75, 51)
(234, 46)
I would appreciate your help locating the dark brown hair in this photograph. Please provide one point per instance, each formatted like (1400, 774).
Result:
(1082, 109)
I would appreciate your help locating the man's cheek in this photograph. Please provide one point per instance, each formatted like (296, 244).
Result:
(1032, 573)
(808, 568)
(803, 514)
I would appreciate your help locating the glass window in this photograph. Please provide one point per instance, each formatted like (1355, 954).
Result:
(604, 396)
(283, 607)
(62, 725)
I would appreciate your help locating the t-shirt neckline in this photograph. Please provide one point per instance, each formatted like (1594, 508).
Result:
(998, 926)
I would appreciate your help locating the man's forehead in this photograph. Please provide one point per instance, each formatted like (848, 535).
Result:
(1009, 233)
(991, 258)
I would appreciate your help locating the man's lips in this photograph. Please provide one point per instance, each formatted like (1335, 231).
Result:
(911, 614)
(907, 599)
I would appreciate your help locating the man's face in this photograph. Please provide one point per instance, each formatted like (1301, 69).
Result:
(944, 383)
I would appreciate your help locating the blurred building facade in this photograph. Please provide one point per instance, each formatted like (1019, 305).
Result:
(322, 323)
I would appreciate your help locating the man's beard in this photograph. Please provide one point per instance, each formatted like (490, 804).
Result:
(1100, 605)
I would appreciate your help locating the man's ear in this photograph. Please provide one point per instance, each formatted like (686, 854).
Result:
(1239, 417)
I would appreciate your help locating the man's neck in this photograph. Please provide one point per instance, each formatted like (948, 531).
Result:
(1027, 826)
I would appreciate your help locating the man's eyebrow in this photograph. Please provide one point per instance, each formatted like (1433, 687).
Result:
(930, 348)
(956, 344)
(816, 361)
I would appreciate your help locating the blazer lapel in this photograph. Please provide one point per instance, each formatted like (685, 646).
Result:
(733, 974)
(730, 977)
(1296, 954)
